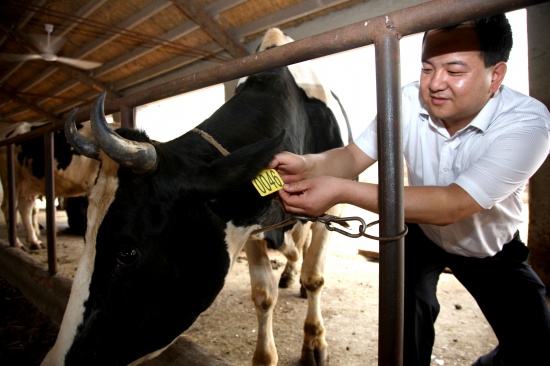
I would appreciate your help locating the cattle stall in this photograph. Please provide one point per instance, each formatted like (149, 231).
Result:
(384, 32)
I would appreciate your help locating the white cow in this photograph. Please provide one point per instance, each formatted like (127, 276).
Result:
(74, 175)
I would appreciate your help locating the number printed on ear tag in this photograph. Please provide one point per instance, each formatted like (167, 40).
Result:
(267, 182)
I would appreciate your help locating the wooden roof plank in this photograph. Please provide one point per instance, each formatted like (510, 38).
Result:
(13, 96)
(173, 34)
(134, 20)
(137, 18)
(208, 18)
(24, 19)
(69, 25)
(212, 28)
(294, 12)
(160, 69)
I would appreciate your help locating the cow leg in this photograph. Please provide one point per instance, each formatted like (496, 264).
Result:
(315, 347)
(29, 217)
(34, 219)
(296, 242)
(5, 209)
(264, 296)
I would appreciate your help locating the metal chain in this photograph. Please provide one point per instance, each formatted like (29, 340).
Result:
(328, 220)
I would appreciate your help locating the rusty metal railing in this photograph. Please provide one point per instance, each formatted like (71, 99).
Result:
(384, 32)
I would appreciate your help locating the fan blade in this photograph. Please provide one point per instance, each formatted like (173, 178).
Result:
(40, 41)
(81, 64)
(10, 57)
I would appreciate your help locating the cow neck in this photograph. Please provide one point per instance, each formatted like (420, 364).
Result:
(211, 140)
(224, 152)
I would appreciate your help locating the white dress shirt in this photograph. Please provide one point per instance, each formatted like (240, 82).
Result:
(492, 159)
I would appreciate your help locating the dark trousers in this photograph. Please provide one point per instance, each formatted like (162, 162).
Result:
(507, 290)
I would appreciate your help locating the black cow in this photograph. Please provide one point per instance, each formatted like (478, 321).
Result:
(166, 221)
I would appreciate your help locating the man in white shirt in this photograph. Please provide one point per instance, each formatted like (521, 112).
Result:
(470, 145)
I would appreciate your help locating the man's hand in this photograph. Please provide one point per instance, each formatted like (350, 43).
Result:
(291, 167)
(311, 197)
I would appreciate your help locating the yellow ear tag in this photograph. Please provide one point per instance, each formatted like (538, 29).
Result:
(267, 182)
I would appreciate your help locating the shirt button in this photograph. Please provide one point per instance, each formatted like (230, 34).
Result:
(445, 170)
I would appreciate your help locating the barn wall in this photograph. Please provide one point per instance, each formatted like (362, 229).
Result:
(538, 29)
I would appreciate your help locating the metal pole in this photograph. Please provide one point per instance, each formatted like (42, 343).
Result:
(390, 198)
(10, 196)
(127, 117)
(50, 203)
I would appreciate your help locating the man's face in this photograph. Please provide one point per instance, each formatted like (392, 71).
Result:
(454, 81)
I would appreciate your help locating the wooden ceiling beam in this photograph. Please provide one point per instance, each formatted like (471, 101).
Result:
(76, 74)
(247, 29)
(139, 17)
(145, 13)
(209, 25)
(285, 15)
(28, 105)
(204, 17)
(85, 79)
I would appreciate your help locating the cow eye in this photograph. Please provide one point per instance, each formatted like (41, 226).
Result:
(127, 256)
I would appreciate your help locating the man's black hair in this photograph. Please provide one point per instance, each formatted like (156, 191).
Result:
(495, 36)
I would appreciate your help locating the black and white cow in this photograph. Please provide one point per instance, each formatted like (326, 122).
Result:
(166, 221)
(74, 175)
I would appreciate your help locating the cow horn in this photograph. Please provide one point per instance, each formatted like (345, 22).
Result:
(82, 144)
(140, 157)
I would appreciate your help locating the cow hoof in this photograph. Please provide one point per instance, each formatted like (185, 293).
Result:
(286, 280)
(314, 357)
(303, 292)
(36, 246)
(22, 247)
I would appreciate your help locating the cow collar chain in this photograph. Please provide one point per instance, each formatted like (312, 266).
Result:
(211, 140)
(328, 220)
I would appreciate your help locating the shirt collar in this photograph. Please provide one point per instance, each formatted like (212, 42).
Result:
(486, 115)
(480, 122)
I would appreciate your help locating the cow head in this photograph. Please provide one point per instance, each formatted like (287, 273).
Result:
(156, 252)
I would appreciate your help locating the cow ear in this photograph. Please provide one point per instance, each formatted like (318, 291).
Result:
(242, 165)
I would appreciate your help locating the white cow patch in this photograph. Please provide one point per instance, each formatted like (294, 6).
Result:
(236, 237)
(100, 200)
(302, 72)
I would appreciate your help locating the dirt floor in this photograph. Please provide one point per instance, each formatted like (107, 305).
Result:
(228, 328)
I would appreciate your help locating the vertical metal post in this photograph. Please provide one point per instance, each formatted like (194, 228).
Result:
(50, 203)
(390, 194)
(127, 117)
(10, 196)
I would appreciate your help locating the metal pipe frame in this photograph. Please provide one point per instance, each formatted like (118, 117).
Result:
(384, 32)
(10, 194)
(390, 198)
(50, 202)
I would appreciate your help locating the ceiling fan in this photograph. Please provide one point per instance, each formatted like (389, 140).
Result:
(48, 52)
